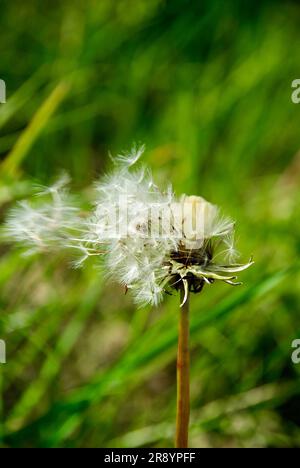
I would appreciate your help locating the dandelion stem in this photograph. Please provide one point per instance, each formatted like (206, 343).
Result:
(183, 375)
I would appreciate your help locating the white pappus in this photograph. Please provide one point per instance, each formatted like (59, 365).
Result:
(148, 240)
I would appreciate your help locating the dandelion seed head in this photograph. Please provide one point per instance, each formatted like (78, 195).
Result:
(147, 239)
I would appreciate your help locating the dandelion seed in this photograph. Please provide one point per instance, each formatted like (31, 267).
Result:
(128, 159)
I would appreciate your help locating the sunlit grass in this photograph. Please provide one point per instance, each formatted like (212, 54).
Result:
(209, 93)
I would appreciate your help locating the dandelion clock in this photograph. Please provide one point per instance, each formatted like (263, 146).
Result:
(151, 241)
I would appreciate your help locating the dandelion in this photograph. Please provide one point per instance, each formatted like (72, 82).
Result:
(149, 240)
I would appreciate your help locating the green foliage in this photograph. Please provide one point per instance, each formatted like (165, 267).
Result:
(207, 88)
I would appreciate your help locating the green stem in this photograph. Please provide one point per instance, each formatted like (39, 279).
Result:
(183, 376)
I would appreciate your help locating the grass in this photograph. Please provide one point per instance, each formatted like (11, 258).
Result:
(207, 88)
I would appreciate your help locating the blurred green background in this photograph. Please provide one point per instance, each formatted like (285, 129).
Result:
(207, 86)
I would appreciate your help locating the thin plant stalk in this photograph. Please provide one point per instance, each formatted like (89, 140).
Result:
(183, 376)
